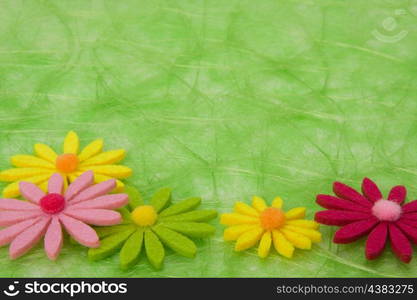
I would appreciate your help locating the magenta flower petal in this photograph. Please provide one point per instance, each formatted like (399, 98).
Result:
(28, 238)
(13, 204)
(410, 207)
(82, 233)
(346, 192)
(30, 191)
(332, 202)
(409, 216)
(95, 191)
(99, 217)
(411, 223)
(9, 233)
(371, 190)
(82, 182)
(105, 202)
(339, 217)
(397, 194)
(10, 217)
(55, 184)
(399, 243)
(376, 241)
(410, 232)
(354, 231)
(53, 239)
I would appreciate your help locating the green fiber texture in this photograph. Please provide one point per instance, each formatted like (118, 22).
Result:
(221, 100)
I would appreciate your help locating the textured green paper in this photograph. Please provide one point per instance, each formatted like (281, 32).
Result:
(220, 99)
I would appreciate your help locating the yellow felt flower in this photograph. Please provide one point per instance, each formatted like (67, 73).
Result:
(70, 164)
(269, 226)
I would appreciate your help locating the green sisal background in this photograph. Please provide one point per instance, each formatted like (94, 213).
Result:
(223, 100)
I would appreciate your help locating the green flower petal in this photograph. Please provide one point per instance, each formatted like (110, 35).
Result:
(131, 249)
(161, 198)
(109, 245)
(177, 242)
(154, 249)
(191, 229)
(180, 207)
(192, 216)
(135, 198)
(111, 230)
(125, 215)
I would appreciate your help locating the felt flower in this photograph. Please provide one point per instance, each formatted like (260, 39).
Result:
(45, 213)
(70, 164)
(371, 214)
(153, 225)
(269, 225)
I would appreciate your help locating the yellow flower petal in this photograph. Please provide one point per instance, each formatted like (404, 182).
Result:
(31, 162)
(298, 240)
(91, 149)
(245, 209)
(265, 245)
(114, 171)
(12, 190)
(303, 223)
(22, 173)
(277, 202)
(281, 244)
(44, 186)
(234, 232)
(248, 239)
(312, 234)
(45, 152)
(296, 213)
(258, 203)
(105, 158)
(71, 143)
(237, 219)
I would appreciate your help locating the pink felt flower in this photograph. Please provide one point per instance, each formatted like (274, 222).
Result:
(44, 214)
(371, 214)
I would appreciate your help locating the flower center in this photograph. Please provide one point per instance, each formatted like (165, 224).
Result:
(144, 215)
(52, 203)
(272, 218)
(386, 210)
(67, 162)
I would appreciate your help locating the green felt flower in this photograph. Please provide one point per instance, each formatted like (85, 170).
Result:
(151, 226)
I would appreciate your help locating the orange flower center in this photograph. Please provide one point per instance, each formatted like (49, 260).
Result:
(272, 218)
(67, 162)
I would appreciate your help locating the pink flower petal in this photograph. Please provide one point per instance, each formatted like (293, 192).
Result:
(410, 207)
(339, 217)
(397, 194)
(371, 190)
(332, 202)
(13, 204)
(79, 184)
(95, 191)
(53, 239)
(411, 223)
(55, 184)
(9, 233)
(354, 231)
(30, 191)
(10, 217)
(376, 241)
(399, 243)
(409, 216)
(82, 233)
(99, 217)
(410, 232)
(28, 238)
(106, 202)
(346, 192)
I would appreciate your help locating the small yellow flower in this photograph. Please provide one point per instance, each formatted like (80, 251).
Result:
(70, 164)
(269, 225)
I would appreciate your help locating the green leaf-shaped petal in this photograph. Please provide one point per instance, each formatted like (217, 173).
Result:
(192, 216)
(125, 215)
(154, 249)
(191, 229)
(135, 198)
(177, 242)
(131, 249)
(161, 198)
(111, 230)
(181, 207)
(109, 245)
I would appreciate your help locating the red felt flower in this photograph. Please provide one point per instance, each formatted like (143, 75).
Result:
(371, 214)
